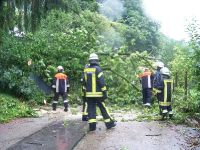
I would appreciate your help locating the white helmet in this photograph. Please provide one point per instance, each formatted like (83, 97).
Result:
(160, 64)
(60, 68)
(93, 56)
(165, 71)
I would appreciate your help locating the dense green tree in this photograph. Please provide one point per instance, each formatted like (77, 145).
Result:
(168, 48)
(142, 32)
(194, 32)
(25, 15)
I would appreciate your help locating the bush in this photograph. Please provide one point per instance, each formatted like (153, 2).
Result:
(11, 108)
(190, 105)
(13, 81)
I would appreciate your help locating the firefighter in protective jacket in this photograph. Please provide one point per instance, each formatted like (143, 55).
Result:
(146, 80)
(157, 75)
(61, 87)
(165, 93)
(96, 93)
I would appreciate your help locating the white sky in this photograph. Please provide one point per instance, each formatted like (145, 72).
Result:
(173, 15)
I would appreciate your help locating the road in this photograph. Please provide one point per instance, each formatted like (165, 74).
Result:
(24, 133)
(141, 136)
(64, 131)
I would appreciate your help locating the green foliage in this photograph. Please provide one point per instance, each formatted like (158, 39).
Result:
(189, 105)
(185, 60)
(168, 48)
(26, 15)
(194, 32)
(13, 81)
(11, 108)
(181, 64)
(142, 32)
(121, 77)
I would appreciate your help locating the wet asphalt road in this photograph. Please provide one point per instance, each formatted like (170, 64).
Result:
(141, 136)
(63, 131)
(59, 136)
(20, 130)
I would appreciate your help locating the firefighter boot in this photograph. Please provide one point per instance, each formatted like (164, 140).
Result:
(84, 117)
(110, 124)
(164, 113)
(66, 106)
(148, 105)
(92, 126)
(54, 106)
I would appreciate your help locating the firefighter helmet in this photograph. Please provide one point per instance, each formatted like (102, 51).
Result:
(165, 71)
(93, 56)
(60, 68)
(159, 64)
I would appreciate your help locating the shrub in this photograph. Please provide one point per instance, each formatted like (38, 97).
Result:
(11, 108)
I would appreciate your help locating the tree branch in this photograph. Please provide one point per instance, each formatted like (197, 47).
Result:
(129, 82)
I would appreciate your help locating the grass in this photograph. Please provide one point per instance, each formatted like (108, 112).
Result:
(12, 108)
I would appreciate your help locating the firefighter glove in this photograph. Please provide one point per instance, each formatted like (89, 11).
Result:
(156, 91)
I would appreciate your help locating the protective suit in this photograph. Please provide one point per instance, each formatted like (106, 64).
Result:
(96, 93)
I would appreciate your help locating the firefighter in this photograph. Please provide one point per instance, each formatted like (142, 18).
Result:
(157, 76)
(96, 93)
(165, 93)
(61, 88)
(146, 80)
(85, 105)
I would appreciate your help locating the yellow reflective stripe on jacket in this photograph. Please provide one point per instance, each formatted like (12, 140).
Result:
(92, 120)
(165, 89)
(100, 74)
(93, 82)
(104, 88)
(85, 75)
(164, 103)
(107, 120)
(90, 70)
(93, 71)
(94, 94)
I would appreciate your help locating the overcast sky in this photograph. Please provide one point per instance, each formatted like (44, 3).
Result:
(173, 15)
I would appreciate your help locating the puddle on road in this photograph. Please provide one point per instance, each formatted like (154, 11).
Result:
(60, 136)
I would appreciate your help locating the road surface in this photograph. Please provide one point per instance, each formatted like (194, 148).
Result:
(66, 131)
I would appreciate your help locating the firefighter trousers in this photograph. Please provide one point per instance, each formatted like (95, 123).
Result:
(147, 93)
(92, 102)
(164, 105)
(56, 97)
(85, 109)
